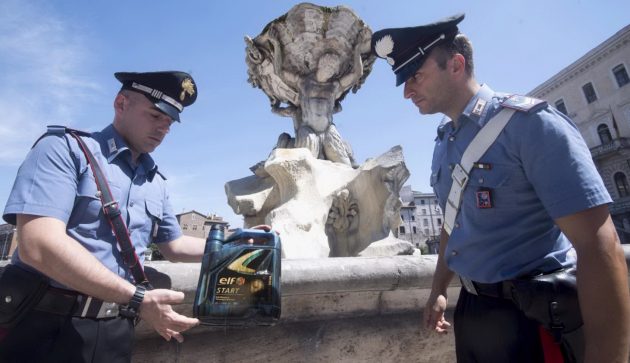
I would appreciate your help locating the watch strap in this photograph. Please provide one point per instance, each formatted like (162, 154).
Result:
(132, 309)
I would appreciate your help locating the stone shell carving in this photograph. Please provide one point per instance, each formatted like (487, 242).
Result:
(309, 41)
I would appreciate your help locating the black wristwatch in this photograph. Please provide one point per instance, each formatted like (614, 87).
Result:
(133, 307)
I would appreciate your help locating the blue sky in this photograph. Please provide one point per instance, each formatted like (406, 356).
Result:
(57, 60)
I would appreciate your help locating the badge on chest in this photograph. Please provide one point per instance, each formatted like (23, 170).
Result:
(484, 198)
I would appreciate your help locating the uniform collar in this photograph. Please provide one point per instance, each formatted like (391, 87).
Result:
(113, 146)
(476, 110)
(478, 106)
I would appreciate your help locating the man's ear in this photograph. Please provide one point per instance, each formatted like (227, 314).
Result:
(120, 102)
(458, 63)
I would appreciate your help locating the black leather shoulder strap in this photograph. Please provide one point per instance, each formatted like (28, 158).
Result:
(112, 212)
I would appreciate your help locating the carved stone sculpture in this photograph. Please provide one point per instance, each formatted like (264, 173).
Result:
(310, 189)
(306, 61)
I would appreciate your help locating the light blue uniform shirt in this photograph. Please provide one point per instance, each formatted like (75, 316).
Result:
(541, 169)
(56, 181)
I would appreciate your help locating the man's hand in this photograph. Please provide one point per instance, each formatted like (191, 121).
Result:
(156, 310)
(263, 227)
(434, 314)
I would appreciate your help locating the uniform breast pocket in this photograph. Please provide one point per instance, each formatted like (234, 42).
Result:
(436, 183)
(489, 188)
(154, 209)
(87, 215)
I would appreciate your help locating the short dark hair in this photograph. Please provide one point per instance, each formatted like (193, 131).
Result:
(460, 44)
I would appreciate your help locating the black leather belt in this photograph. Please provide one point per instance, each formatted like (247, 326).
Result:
(67, 302)
(501, 290)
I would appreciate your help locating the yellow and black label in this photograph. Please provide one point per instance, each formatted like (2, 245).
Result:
(247, 279)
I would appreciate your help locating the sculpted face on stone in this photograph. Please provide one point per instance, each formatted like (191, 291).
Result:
(306, 61)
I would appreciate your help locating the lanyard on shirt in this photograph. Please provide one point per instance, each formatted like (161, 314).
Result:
(111, 210)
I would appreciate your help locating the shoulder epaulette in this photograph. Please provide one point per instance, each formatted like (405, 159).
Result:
(522, 103)
(62, 130)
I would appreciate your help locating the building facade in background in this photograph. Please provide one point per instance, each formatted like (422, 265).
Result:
(196, 224)
(421, 219)
(595, 92)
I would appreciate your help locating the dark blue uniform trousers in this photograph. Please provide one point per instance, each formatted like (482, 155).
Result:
(489, 329)
(45, 337)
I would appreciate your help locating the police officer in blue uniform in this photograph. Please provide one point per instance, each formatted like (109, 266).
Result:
(532, 203)
(64, 235)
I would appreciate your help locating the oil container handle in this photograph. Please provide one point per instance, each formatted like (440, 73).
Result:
(270, 238)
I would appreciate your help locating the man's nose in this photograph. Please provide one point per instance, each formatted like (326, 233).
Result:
(407, 91)
(165, 125)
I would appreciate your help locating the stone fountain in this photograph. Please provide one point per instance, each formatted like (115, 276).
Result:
(310, 187)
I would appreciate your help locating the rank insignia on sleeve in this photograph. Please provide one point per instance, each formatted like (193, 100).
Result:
(484, 198)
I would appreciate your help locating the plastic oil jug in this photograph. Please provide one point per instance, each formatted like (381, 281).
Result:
(239, 281)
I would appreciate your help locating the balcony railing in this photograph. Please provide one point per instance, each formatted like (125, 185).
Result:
(609, 148)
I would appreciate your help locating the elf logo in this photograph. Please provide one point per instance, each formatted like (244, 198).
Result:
(231, 281)
(227, 280)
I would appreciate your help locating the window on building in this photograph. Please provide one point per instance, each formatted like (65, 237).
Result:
(422, 201)
(424, 211)
(439, 220)
(413, 218)
(589, 92)
(402, 217)
(621, 75)
(426, 231)
(425, 222)
(402, 229)
(194, 227)
(185, 226)
(604, 134)
(414, 230)
(622, 185)
(193, 216)
(561, 107)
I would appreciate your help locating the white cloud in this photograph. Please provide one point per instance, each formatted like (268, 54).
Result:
(42, 62)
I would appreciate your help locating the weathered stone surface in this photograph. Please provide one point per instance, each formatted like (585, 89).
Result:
(322, 208)
(389, 246)
(333, 310)
(310, 188)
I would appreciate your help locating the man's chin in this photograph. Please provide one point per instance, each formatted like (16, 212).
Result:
(425, 111)
(150, 148)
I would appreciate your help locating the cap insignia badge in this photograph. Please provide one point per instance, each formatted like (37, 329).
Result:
(384, 47)
(188, 87)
